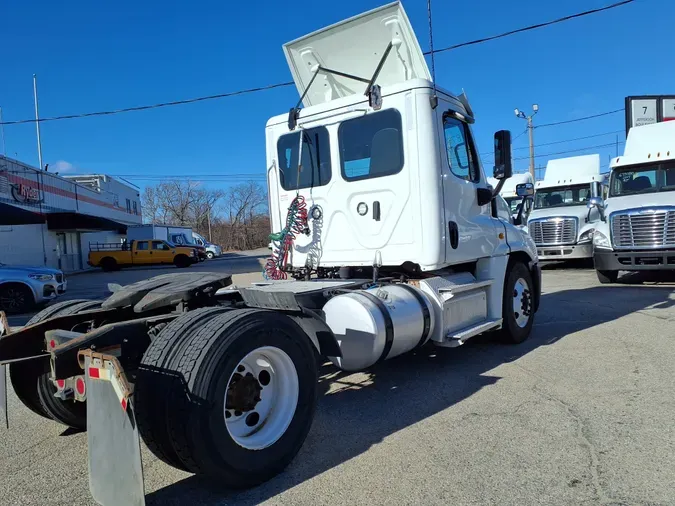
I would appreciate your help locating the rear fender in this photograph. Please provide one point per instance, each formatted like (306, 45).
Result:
(318, 332)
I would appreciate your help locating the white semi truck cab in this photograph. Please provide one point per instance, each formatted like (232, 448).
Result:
(560, 223)
(513, 199)
(387, 230)
(637, 229)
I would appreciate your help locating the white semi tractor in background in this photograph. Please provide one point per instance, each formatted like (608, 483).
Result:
(637, 227)
(560, 223)
(388, 229)
(513, 200)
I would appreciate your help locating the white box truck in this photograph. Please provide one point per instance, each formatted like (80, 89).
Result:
(178, 235)
(637, 227)
(385, 224)
(560, 223)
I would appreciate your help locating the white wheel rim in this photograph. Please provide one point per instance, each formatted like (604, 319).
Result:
(260, 421)
(522, 306)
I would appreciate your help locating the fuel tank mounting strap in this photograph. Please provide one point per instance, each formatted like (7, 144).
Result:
(426, 314)
(388, 324)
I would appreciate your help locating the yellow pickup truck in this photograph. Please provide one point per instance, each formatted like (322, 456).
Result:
(114, 256)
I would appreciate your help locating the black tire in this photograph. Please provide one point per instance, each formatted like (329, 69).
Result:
(25, 375)
(150, 400)
(511, 332)
(53, 309)
(607, 277)
(197, 423)
(210, 255)
(31, 379)
(109, 264)
(16, 298)
(182, 261)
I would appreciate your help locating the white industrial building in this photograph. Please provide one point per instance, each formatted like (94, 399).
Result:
(47, 219)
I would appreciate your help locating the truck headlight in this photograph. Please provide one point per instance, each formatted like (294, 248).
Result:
(600, 240)
(587, 236)
(41, 277)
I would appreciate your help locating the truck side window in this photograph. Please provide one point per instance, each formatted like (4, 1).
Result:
(371, 145)
(461, 154)
(159, 245)
(315, 169)
(142, 245)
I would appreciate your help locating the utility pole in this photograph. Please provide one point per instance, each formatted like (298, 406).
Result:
(208, 218)
(37, 122)
(530, 130)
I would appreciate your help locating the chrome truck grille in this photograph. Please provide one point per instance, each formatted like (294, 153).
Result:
(643, 228)
(553, 231)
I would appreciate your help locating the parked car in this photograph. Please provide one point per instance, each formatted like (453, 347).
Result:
(24, 288)
(212, 250)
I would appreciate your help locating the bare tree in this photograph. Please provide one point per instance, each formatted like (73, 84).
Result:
(238, 216)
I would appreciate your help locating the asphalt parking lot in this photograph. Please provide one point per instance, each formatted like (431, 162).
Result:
(580, 414)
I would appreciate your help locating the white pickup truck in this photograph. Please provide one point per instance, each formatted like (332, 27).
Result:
(560, 224)
(637, 230)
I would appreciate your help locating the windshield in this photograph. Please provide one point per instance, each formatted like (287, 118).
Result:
(561, 196)
(643, 179)
(514, 203)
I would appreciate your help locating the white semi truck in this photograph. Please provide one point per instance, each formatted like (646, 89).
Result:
(389, 231)
(637, 229)
(513, 199)
(560, 223)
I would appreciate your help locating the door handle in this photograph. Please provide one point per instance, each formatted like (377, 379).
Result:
(376, 210)
(453, 234)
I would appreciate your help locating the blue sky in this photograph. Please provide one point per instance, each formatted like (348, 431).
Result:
(100, 55)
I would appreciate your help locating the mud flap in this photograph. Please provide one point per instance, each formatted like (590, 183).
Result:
(4, 329)
(115, 467)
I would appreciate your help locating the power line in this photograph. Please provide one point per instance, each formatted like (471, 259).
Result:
(611, 144)
(153, 106)
(560, 141)
(580, 119)
(532, 27)
(280, 85)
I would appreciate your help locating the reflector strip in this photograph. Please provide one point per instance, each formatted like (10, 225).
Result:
(99, 373)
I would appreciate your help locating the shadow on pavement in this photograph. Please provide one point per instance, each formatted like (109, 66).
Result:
(410, 388)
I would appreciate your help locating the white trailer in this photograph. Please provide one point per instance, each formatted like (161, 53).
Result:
(390, 233)
(560, 223)
(171, 233)
(637, 227)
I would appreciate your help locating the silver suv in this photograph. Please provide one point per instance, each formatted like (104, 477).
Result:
(23, 288)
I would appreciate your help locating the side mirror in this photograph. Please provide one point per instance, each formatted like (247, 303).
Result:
(599, 204)
(595, 202)
(525, 189)
(503, 168)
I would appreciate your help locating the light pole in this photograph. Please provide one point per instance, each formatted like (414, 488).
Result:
(530, 129)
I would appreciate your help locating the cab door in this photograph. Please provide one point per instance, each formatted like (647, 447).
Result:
(161, 252)
(471, 231)
(141, 253)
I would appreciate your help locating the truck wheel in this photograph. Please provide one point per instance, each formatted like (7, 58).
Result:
(251, 377)
(182, 261)
(109, 264)
(606, 277)
(16, 298)
(210, 255)
(517, 308)
(26, 376)
(152, 382)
